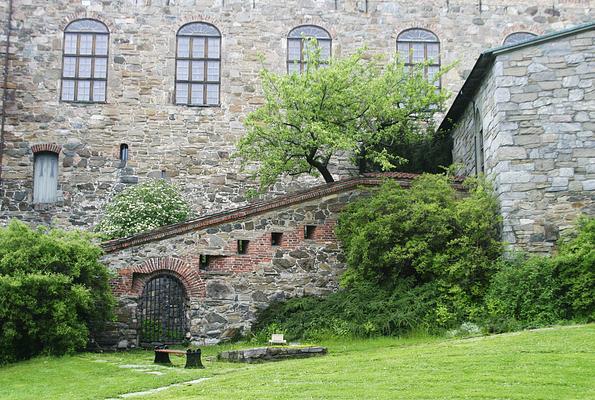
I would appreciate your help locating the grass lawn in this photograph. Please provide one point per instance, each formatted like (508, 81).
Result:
(556, 363)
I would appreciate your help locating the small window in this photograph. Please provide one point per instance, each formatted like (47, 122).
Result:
(518, 37)
(203, 261)
(85, 61)
(296, 46)
(418, 46)
(243, 246)
(45, 177)
(124, 152)
(276, 238)
(309, 231)
(479, 150)
(198, 65)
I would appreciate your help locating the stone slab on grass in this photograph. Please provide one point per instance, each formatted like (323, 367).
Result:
(261, 354)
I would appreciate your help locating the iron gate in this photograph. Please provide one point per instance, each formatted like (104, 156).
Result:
(163, 311)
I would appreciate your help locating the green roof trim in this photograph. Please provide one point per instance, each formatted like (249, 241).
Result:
(484, 64)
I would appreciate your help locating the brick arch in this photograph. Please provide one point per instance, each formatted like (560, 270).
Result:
(88, 15)
(131, 281)
(51, 147)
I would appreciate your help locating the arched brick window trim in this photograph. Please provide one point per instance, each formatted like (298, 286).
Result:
(132, 280)
(51, 147)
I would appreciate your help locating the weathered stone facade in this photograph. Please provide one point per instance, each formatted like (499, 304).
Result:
(534, 111)
(192, 145)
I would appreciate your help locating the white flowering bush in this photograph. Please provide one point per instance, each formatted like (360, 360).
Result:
(143, 207)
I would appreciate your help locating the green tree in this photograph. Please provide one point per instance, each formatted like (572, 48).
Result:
(53, 291)
(356, 104)
(143, 207)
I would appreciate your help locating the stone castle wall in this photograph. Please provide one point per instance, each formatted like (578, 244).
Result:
(537, 106)
(192, 146)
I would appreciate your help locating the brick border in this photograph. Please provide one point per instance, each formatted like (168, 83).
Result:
(260, 207)
(131, 281)
(51, 147)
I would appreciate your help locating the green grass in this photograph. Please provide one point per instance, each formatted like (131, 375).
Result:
(556, 363)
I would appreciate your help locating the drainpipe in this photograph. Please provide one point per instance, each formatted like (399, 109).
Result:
(5, 91)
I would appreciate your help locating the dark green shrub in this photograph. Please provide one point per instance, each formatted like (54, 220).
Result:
(427, 234)
(523, 294)
(575, 268)
(53, 291)
(143, 207)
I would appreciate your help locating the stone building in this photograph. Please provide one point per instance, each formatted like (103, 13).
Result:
(97, 95)
(526, 118)
(105, 94)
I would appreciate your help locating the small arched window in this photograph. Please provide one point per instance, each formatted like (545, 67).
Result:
(518, 37)
(418, 46)
(45, 177)
(296, 42)
(124, 152)
(198, 65)
(84, 61)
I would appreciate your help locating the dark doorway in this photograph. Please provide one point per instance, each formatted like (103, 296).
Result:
(163, 311)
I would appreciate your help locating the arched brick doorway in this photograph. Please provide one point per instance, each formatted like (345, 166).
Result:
(162, 310)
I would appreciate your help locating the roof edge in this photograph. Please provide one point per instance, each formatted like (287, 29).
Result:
(484, 63)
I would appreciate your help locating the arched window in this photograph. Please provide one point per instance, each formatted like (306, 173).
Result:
(518, 37)
(417, 46)
(296, 41)
(198, 65)
(479, 150)
(124, 152)
(84, 61)
(45, 177)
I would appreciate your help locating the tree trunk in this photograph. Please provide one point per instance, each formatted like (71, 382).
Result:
(328, 178)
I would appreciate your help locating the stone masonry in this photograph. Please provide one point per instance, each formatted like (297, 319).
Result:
(536, 108)
(192, 146)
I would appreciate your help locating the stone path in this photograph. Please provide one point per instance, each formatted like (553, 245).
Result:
(157, 390)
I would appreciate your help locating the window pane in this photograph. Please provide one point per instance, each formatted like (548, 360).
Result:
(82, 93)
(182, 70)
(183, 47)
(68, 90)
(325, 49)
(418, 52)
(69, 66)
(101, 45)
(294, 67)
(213, 47)
(198, 70)
(197, 95)
(433, 52)
(433, 70)
(213, 71)
(212, 94)
(86, 44)
(100, 68)
(181, 93)
(70, 43)
(403, 49)
(293, 49)
(85, 67)
(198, 47)
(99, 91)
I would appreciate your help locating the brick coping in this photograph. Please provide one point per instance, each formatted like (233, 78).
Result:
(260, 207)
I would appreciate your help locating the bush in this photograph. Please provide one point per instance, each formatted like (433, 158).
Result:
(143, 207)
(53, 291)
(426, 234)
(537, 291)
